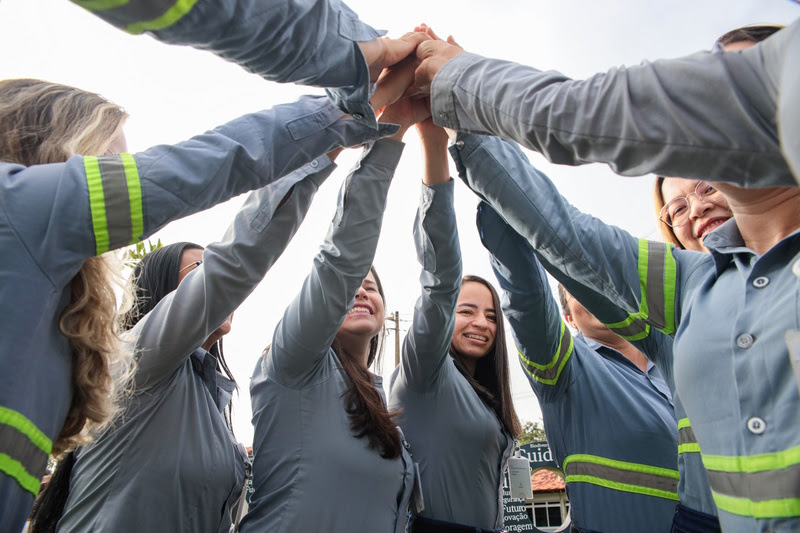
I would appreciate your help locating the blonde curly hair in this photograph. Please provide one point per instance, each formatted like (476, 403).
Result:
(42, 123)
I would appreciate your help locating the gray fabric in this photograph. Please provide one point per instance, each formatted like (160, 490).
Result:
(311, 42)
(458, 441)
(509, 169)
(601, 404)
(46, 233)
(712, 115)
(310, 472)
(169, 463)
(720, 384)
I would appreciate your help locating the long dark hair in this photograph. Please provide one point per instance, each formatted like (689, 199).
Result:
(364, 405)
(155, 276)
(491, 381)
(749, 34)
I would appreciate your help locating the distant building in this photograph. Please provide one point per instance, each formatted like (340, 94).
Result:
(549, 508)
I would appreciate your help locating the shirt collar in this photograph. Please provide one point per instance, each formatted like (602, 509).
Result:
(218, 385)
(727, 240)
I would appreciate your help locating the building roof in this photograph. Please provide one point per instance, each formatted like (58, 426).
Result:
(547, 481)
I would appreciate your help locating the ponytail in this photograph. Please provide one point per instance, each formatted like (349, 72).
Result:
(49, 506)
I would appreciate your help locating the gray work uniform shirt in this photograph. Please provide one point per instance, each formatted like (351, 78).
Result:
(483, 158)
(611, 427)
(310, 472)
(169, 462)
(729, 313)
(718, 116)
(311, 42)
(49, 224)
(458, 440)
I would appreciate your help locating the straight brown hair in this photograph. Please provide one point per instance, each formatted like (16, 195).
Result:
(365, 407)
(491, 381)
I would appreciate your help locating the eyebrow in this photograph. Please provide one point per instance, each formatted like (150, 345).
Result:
(473, 306)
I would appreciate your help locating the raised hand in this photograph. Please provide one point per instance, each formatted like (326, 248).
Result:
(393, 82)
(434, 150)
(406, 112)
(381, 53)
(432, 55)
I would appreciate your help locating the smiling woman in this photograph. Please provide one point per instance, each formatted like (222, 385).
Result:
(452, 384)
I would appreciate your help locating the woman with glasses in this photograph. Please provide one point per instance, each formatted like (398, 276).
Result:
(732, 313)
(452, 383)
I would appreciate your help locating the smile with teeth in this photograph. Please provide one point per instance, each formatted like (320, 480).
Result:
(710, 227)
(476, 337)
(359, 311)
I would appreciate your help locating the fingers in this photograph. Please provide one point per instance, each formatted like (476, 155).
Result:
(394, 82)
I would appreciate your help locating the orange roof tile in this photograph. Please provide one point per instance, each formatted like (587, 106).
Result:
(546, 481)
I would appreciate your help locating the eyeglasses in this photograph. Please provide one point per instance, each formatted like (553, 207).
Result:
(191, 265)
(676, 212)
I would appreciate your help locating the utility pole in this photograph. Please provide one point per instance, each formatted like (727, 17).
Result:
(395, 317)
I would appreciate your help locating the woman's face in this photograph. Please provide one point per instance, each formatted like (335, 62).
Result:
(189, 261)
(476, 321)
(703, 216)
(366, 316)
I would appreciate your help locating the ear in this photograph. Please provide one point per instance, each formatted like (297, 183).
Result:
(570, 321)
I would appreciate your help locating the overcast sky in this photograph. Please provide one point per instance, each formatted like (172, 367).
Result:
(173, 93)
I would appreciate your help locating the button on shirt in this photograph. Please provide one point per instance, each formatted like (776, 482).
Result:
(458, 441)
(602, 414)
(707, 301)
(42, 257)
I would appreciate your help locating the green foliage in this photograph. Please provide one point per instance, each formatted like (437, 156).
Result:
(136, 253)
(532, 432)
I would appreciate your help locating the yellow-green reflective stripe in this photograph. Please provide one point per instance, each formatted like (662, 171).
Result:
(622, 465)
(753, 463)
(656, 267)
(631, 329)
(14, 469)
(172, 15)
(644, 258)
(623, 476)
(22, 424)
(97, 204)
(689, 447)
(782, 508)
(624, 487)
(134, 196)
(548, 374)
(100, 5)
(687, 442)
(670, 284)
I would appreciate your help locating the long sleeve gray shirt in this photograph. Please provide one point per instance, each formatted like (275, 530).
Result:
(460, 444)
(721, 116)
(312, 42)
(310, 472)
(169, 463)
(728, 311)
(53, 217)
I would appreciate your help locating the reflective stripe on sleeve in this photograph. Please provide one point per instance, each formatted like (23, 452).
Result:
(687, 442)
(139, 16)
(759, 486)
(24, 450)
(619, 475)
(657, 279)
(115, 199)
(548, 374)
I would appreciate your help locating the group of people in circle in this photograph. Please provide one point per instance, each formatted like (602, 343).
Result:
(665, 379)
